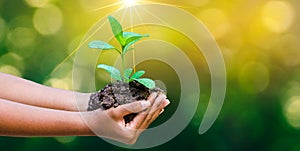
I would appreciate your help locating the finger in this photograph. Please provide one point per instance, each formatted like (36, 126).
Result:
(155, 115)
(161, 111)
(151, 116)
(157, 103)
(166, 102)
(133, 107)
(138, 120)
(152, 98)
(146, 123)
(136, 123)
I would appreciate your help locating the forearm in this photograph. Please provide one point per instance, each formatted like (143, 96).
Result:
(28, 92)
(24, 120)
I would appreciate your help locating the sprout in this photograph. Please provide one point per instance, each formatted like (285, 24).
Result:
(126, 40)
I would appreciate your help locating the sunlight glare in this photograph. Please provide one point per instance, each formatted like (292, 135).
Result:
(129, 3)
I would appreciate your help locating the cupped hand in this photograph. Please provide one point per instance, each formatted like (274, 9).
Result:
(110, 123)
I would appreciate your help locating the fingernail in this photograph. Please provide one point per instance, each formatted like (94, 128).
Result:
(145, 104)
(168, 102)
(162, 111)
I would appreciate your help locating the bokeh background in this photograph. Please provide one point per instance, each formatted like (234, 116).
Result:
(259, 39)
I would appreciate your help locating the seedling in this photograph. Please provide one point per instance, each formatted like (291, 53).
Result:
(126, 41)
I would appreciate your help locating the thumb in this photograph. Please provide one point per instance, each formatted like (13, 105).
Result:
(133, 107)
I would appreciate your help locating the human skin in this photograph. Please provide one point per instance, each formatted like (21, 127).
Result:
(27, 92)
(31, 109)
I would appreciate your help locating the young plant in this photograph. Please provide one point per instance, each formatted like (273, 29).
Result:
(126, 40)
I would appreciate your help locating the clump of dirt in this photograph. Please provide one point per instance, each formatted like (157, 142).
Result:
(118, 93)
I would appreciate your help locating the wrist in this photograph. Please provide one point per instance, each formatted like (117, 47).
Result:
(81, 101)
(81, 123)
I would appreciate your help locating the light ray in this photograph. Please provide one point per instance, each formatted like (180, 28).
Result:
(165, 4)
(73, 52)
(107, 6)
(155, 16)
(123, 16)
(122, 5)
(141, 20)
(131, 29)
(77, 48)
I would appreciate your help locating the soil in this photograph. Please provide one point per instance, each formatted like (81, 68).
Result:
(118, 93)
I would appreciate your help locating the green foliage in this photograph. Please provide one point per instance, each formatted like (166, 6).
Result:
(114, 72)
(127, 74)
(130, 38)
(146, 82)
(100, 45)
(116, 29)
(137, 75)
(125, 39)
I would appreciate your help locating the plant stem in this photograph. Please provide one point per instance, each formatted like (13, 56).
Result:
(123, 67)
(133, 60)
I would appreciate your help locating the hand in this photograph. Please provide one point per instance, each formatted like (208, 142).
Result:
(110, 123)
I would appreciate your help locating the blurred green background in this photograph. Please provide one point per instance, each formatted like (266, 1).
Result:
(259, 39)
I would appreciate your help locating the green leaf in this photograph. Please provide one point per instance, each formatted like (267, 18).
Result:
(146, 82)
(116, 29)
(98, 44)
(131, 38)
(114, 72)
(137, 75)
(127, 73)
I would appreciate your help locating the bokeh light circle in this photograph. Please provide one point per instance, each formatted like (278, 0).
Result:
(22, 37)
(292, 111)
(65, 139)
(254, 77)
(48, 20)
(216, 20)
(37, 3)
(8, 69)
(12, 63)
(278, 16)
(287, 50)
